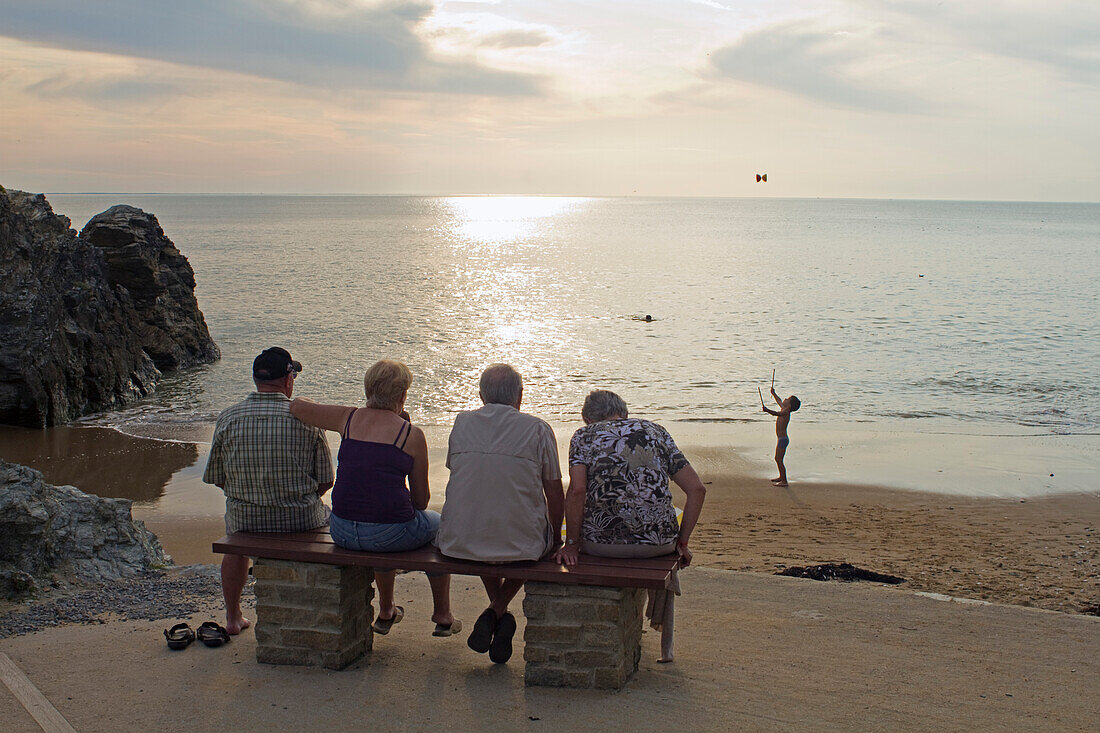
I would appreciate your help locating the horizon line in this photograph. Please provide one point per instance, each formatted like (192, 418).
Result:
(561, 195)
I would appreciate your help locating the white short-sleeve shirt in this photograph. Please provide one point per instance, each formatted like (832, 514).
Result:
(495, 506)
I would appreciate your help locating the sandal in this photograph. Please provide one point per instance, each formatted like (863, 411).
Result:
(383, 625)
(448, 629)
(179, 636)
(211, 634)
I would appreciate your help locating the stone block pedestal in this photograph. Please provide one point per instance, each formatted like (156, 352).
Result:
(312, 614)
(582, 636)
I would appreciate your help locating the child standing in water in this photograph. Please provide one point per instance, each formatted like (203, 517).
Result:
(782, 419)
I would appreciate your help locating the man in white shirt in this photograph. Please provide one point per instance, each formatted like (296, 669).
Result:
(505, 501)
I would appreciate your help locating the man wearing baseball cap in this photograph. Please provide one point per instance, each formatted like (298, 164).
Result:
(273, 468)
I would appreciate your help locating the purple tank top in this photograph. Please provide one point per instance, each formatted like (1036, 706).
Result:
(370, 480)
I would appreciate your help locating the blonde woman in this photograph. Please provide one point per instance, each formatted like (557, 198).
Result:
(380, 499)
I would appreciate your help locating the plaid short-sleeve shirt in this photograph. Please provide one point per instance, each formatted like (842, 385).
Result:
(270, 465)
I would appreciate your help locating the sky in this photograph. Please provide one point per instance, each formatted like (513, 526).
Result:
(951, 99)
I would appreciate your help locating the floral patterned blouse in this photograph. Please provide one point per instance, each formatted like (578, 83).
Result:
(629, 463)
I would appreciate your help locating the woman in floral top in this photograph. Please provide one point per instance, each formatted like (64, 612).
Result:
(619, 503)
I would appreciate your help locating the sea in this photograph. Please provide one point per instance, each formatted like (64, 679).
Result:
(936, 346)
(981, 315)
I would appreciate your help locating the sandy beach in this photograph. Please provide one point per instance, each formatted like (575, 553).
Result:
(1036, 552)
(1009, 543)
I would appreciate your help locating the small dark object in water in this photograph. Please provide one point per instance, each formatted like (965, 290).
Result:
(840, 571)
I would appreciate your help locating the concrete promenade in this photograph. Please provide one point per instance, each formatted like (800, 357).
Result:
(754, 652)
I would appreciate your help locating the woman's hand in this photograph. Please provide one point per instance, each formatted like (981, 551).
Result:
(567, 555)
(685, 555)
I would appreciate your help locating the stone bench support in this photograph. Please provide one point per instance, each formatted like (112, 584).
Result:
(582, 636)
(312, 614)
(313, 604)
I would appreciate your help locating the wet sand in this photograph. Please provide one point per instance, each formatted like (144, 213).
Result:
(1010, 545)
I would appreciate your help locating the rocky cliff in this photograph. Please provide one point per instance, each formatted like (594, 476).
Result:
(57, 535)
(85, 322)
(159, 280)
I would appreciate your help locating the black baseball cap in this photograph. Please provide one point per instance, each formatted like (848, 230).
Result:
(274, 363)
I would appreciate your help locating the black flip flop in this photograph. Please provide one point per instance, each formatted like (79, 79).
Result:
(179, 636)
(211, 634)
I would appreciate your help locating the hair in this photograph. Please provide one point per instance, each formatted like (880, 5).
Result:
(500, 384)
(602, 404)
(385, 383)
(795, 403)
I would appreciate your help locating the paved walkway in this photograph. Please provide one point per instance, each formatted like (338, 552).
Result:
(754, 652)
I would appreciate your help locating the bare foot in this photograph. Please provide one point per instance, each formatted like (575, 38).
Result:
(445, 620)
(776, 480)
(235, 627)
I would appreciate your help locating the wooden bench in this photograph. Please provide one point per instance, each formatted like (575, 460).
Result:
(313, 605)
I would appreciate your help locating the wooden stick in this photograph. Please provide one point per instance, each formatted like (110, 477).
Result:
(773, 379)
(761, 396)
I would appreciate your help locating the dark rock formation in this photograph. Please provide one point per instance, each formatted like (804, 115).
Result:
(161, 283)
(68, 343)
(74, 337)
(57, 535)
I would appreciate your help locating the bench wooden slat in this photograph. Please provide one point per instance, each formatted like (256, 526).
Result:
(316, 546)
(429, 559)
(660, 563)
(322, 535)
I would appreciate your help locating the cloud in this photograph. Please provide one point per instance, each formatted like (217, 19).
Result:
(1060, 34)
(825, 64)
(328, 43)
(711, 4)
(517, 39)
(110, 90)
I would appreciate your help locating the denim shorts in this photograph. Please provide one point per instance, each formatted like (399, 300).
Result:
(372, 537)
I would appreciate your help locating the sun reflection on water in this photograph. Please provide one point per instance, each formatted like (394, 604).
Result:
(503, 219)
(506, 289)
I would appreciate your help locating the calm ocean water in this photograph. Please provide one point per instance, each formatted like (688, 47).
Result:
(983, 313)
